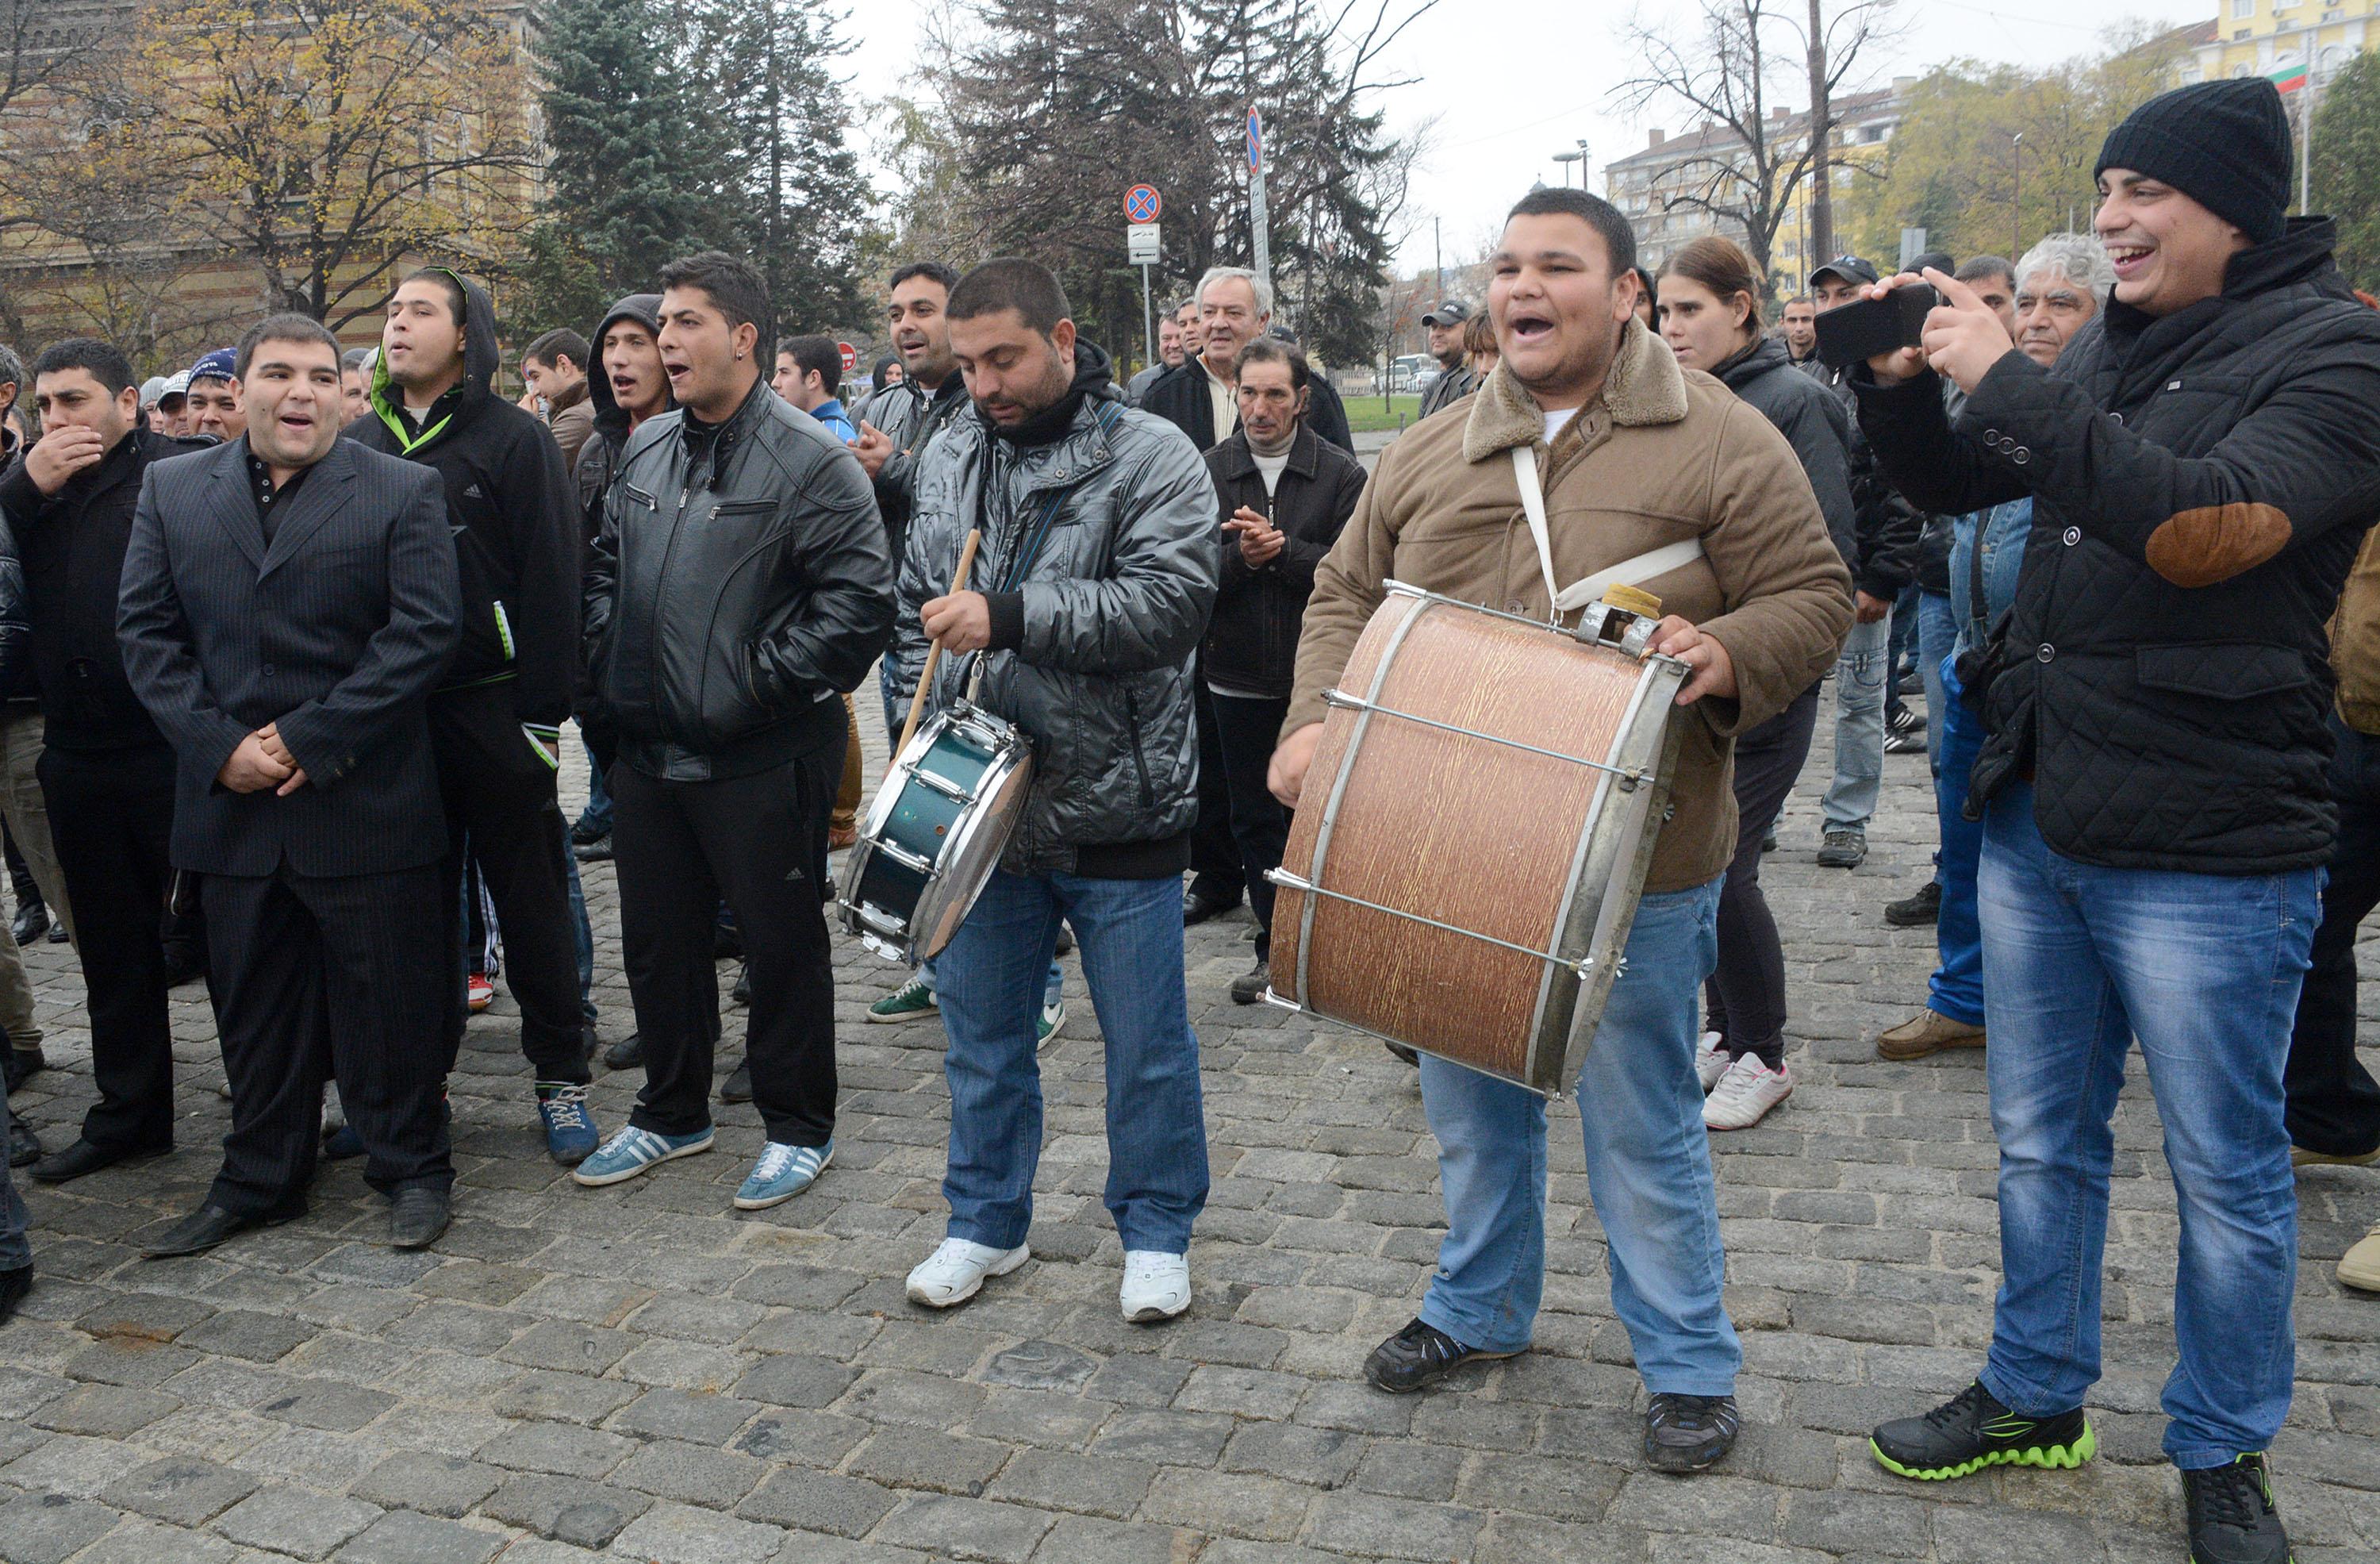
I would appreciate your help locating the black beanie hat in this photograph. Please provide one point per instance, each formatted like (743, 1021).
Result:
(2224, 144)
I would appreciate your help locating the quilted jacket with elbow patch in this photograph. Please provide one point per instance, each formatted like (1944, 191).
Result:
(2201, 482)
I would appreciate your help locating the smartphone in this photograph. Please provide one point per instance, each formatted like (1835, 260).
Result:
(1867, 328)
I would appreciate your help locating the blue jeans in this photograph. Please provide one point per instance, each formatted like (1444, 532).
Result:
(2205, 969)
(896, 710)
(1648, 1170)
(1956, 990)
(1902, 645)
(1860, 674)
(14, 1249)
(582, 936)
(1936, 630)
(597, 816)
(991, 976)
(1053, 981)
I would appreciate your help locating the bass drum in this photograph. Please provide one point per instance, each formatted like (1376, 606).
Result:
(1478, 818)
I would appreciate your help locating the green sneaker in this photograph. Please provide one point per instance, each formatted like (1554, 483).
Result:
(1972, 1431)
(1046, 1025)
(912, 1001)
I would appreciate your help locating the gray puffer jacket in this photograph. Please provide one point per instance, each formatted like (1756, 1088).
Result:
(1112, 609)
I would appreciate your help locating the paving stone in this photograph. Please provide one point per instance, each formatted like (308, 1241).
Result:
(562, 1447)
(45, 1528)
(109, 1411)
(787, 1381)
(914, 1458)
(181, 1491)
(295, 1522)
(565, 1509)
(434, 1485)
(812, 1501)
(69, 1463)
(572, 1397)
(1082, 1539)
(1052, 1479)
(328, 1404)
(402, 1537)
(691, 1473)
(242, 1333)
(1376, 1526)
(146, 1541)
(673, 1533)
(681, 1414)
(965, 1528)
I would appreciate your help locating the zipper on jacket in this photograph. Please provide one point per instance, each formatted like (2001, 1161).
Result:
(1139, 763)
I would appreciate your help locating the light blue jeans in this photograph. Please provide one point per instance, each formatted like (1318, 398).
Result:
(1648, 1171)
(991, 978)
(2205, 969)
(1937, 629)
(1860, 676)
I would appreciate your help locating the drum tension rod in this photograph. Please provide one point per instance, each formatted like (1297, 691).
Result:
(1287, 881)
(1629, 780)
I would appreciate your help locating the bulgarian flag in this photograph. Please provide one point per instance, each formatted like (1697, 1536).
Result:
(2289, 79)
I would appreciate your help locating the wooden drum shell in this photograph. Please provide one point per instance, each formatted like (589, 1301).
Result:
(1526, 848)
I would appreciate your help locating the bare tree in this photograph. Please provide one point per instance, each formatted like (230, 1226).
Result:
(1746, 164)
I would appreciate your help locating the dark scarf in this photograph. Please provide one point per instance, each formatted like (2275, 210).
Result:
(1094, 376)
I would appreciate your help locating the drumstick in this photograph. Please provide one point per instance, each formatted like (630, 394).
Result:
(934, 652)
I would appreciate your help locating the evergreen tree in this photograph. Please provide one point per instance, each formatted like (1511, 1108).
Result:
(1058, 109)
(632, 171)
(2346, 155)
(799, 205)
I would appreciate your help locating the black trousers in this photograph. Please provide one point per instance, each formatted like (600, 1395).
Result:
(2334, 1106)
(1247, 732)
(501, 804)
(112, 820)
(759, 841)
(1744, 999)
(1214, 857)
(316, 978)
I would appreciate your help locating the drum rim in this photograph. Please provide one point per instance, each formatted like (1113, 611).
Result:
(1008, 744)
(1010, 763)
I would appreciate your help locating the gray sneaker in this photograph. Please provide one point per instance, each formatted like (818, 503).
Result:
(1844, 848)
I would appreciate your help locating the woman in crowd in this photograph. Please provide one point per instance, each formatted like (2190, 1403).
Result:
(1710, 317)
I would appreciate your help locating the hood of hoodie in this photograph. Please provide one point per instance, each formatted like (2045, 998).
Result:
(610, 419)
(480, 357)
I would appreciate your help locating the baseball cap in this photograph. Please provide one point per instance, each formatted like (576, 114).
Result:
(1450, 312)
(150, 389)
(176, 386)
(217, 365)
(1850, 268)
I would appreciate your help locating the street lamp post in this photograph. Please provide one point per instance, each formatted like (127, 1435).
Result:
(1566, 159)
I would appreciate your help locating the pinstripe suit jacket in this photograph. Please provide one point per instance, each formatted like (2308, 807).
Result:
(337, 632)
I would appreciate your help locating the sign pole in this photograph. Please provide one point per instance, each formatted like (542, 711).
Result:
(1147, 316)
(1257, 196)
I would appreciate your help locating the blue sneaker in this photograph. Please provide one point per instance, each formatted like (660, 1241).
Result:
(569, 1129)
(632, 1151)
(781, 1173)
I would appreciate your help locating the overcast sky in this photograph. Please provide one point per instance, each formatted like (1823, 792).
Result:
(1496, 128)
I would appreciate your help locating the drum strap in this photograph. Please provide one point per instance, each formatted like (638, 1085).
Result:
(1588, 589)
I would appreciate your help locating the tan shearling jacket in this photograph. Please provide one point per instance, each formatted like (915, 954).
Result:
(1661, 454)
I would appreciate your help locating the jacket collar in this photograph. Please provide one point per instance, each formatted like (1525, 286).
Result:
(1645, 386)
(325, 491)
(2303, 254)
(1239, 459)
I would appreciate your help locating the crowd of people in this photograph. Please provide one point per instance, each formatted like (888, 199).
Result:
(300, 630)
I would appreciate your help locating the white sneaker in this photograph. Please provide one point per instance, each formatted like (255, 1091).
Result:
(1156, 1285)
(1745, 1093)
(1710, 1061)
(955, 1272)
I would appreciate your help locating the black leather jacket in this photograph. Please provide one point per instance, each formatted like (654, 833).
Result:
(739, 584)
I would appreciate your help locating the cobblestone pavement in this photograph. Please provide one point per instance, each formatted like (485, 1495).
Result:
(638, 1373)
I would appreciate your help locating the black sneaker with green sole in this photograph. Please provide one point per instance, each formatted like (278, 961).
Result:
(2231, 1516)
(1963, 1436)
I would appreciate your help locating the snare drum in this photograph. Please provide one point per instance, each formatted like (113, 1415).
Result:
(1464, 870)
(935, 833)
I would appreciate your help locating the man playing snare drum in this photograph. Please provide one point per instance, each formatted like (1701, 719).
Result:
(1088, 594)
(1635, 455)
